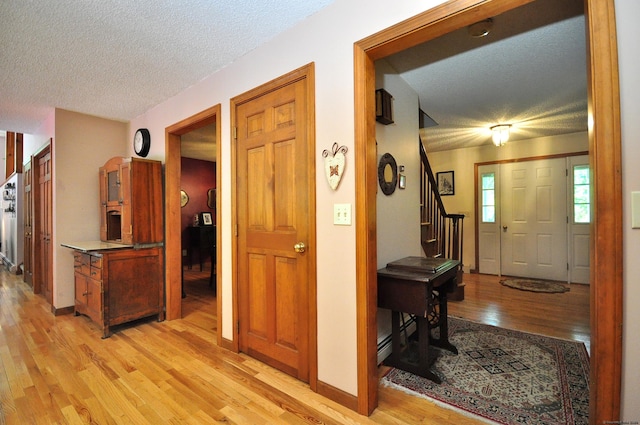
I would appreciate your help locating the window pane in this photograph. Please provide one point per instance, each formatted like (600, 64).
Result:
(581, 213)
(581, 174)
(488, 197)
(489, 214)
(488, 181)
(581, 194)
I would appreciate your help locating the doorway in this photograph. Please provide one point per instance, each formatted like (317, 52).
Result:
(527, 221)
(606, 280)
(173, 235)
(198, 225)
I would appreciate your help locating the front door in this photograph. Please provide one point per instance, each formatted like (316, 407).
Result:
(274, 213)
(534, 219)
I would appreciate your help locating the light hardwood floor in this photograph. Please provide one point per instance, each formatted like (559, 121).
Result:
(57, 370)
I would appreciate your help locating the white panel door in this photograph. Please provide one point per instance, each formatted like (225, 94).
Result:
(534, 219)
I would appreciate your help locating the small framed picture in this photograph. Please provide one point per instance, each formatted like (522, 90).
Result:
(402, 181)
(446, 185)
(206, 219)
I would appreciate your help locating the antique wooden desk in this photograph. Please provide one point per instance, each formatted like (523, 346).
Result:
(418, 286)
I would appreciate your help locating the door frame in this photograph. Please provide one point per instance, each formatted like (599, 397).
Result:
(605, 160)
(305, 72)
(173, 239)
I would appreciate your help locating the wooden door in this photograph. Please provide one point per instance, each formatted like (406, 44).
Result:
(45, 225)
(273, 215)
(534, 219)
(28, 227)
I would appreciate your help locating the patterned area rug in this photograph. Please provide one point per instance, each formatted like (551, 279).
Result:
(508, 377)
(535, 285)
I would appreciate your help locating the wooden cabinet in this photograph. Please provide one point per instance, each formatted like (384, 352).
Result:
(115, 285)
(121, 277)
(131, 201)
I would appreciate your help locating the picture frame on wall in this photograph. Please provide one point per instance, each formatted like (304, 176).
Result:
(446, 183)
(206, 219)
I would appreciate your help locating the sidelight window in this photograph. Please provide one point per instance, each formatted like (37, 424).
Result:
(581, 194)
(488, 198)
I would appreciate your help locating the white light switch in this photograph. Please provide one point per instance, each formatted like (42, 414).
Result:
(342, 214)
(635, 210)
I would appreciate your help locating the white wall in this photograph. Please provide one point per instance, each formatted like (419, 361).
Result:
(398, 231)
(462, 161)
(627, 14)
(326, 39)
(82, 144)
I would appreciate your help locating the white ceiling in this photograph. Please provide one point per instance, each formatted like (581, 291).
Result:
(530, 71)
(117, 59)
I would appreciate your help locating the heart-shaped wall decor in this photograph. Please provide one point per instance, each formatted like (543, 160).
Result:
(334, 162)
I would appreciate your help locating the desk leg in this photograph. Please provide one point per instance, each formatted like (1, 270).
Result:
(443, 324)
(396, 348)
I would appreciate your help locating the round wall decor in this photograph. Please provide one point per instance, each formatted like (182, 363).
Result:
(388, 174)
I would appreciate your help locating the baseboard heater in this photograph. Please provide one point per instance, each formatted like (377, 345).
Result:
(408, 327)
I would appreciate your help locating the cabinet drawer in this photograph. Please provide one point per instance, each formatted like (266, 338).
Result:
(96, 262)
(95, 273)
(82, 263)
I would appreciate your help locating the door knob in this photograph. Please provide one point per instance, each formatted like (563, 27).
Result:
(504, 228)
(299, 247)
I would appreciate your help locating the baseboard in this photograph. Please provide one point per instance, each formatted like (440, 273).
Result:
(332, 393)
(62, 311)
(384, 345)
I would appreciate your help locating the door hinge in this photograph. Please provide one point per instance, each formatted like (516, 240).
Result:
(238, 327)
(235, 230)
(235, 133)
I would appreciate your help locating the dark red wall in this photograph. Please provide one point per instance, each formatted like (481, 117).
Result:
(196, 179)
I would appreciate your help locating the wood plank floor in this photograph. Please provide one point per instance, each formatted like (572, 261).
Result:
(57, 370)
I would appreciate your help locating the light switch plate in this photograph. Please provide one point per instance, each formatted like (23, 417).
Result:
(635, 210)
(342, 214)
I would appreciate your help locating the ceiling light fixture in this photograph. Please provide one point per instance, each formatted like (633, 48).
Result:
(480, 29)
(500, 134)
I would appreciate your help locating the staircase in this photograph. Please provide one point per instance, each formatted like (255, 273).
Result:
(440, 233)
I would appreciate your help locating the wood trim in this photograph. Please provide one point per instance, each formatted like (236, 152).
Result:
(337, 395)
(306, 72)
(475, 193)
(173, 244)
(606, 228)
(366, 227)
(605, 146)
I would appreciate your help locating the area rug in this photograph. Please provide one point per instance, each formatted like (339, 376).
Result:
(506, 376)
(534, 285)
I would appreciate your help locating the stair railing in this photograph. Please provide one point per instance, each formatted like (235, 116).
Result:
(441, 233)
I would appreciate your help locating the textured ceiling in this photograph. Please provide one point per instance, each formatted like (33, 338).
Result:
(530, 71)
(118, 58)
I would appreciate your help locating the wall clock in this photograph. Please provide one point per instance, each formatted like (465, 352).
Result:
(184, 198)
(142, 142)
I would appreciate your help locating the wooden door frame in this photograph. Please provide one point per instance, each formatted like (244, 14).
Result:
(605, 160)
(173, 238)
(305, 72)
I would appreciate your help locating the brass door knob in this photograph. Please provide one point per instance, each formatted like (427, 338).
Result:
(299, 247)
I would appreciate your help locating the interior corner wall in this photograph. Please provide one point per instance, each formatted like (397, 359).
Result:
(82, 144)
(628, 32)
(462, 162)
(398, 214)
